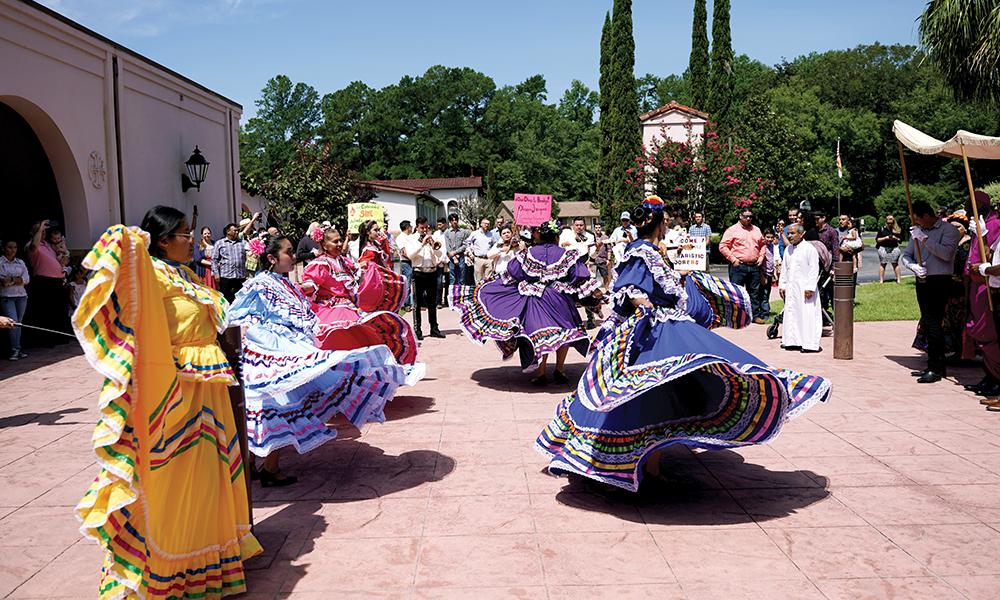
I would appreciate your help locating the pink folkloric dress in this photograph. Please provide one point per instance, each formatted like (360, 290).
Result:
(356, 306)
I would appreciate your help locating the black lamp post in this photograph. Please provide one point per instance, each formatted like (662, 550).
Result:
(196, 167)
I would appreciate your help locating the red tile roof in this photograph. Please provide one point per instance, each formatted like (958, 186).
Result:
(672, 106)
(426, 185)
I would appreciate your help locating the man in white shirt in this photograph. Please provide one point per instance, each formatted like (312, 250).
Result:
(425, 254)
(582, 241)
(478, 244)
(622, 236)
(405, 268)
(577, 238)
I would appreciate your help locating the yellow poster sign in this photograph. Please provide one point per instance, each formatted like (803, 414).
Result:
(361, 212)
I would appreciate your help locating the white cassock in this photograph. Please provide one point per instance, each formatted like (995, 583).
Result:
(802, 321)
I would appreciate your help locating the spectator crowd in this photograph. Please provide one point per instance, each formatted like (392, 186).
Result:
(40, 286)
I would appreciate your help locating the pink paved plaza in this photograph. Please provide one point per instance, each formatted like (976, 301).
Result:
(891, 490)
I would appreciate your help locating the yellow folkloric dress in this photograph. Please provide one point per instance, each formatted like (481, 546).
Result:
(169, 505)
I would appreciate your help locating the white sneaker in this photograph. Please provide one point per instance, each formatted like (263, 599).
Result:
(13, 356)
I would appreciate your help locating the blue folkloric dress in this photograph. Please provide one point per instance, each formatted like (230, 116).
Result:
(531, 305)
(292, 387)
(660, 377)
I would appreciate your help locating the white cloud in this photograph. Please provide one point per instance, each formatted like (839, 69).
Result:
(151, 18)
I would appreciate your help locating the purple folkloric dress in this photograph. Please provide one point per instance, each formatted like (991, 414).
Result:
(531, 306)
(660, 377)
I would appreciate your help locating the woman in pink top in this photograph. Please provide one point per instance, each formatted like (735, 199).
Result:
(49, 307)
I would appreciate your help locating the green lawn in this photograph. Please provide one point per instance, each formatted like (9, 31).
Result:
(880, 302)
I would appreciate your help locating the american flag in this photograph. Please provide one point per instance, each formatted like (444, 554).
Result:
(840, 165)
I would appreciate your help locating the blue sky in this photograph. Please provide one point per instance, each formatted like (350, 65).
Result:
(235, 46)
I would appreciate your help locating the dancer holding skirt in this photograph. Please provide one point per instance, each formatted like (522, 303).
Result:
(356, 307)
(530, 308)
(293, 388)
(169, 504)
(658, 376)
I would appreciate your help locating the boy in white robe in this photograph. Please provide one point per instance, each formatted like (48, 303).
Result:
(802, 321)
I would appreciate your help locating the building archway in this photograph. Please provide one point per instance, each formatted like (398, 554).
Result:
(41, 179)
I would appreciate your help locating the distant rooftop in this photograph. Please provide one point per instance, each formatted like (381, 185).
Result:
(673, 106)
(419, 186)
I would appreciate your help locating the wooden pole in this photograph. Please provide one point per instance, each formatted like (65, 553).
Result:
(981, 235)
(909, 201)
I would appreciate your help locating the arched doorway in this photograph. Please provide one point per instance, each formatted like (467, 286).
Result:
(29, 192)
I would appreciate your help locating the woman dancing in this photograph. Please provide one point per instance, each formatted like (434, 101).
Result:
(169, 505)
(293, 389)
(658, 376)
(352, 314)
(530, 308)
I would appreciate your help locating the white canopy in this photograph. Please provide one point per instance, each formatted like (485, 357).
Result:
(976, 146)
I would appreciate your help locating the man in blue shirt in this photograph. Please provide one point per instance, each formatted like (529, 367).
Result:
(700, 228)
(498, 224)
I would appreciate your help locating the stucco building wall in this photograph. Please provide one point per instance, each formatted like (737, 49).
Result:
(115, 126)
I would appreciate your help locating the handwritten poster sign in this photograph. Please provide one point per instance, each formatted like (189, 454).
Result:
(532, 209)
(361, 212)
(694, 259)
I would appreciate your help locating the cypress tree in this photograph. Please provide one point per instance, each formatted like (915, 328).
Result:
(626, 137)
(604, 190)
(698, 63)
(721, 92)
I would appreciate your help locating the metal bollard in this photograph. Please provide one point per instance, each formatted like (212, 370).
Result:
(231, 341)
(843, 310)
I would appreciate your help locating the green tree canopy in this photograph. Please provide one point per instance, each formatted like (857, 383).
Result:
(287, 115)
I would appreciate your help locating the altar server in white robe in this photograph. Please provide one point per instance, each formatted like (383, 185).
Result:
(802, 321)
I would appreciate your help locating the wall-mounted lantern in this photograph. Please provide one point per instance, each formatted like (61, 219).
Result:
(197, 168)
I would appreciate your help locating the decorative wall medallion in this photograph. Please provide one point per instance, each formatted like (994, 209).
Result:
(96, 169)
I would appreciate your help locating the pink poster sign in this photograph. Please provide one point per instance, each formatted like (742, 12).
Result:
(532, 209)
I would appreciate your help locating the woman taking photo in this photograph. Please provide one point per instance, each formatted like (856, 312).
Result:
(169, 504)
(291, 389)
(48, 259)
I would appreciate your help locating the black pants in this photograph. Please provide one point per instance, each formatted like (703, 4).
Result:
(425, 296)
(932, 296)
(48, 307)
(442, 287)
(229, 287)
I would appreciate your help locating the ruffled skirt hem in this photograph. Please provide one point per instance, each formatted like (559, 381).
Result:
(481, 327)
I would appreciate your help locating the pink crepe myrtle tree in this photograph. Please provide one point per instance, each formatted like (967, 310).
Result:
(701, 173)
